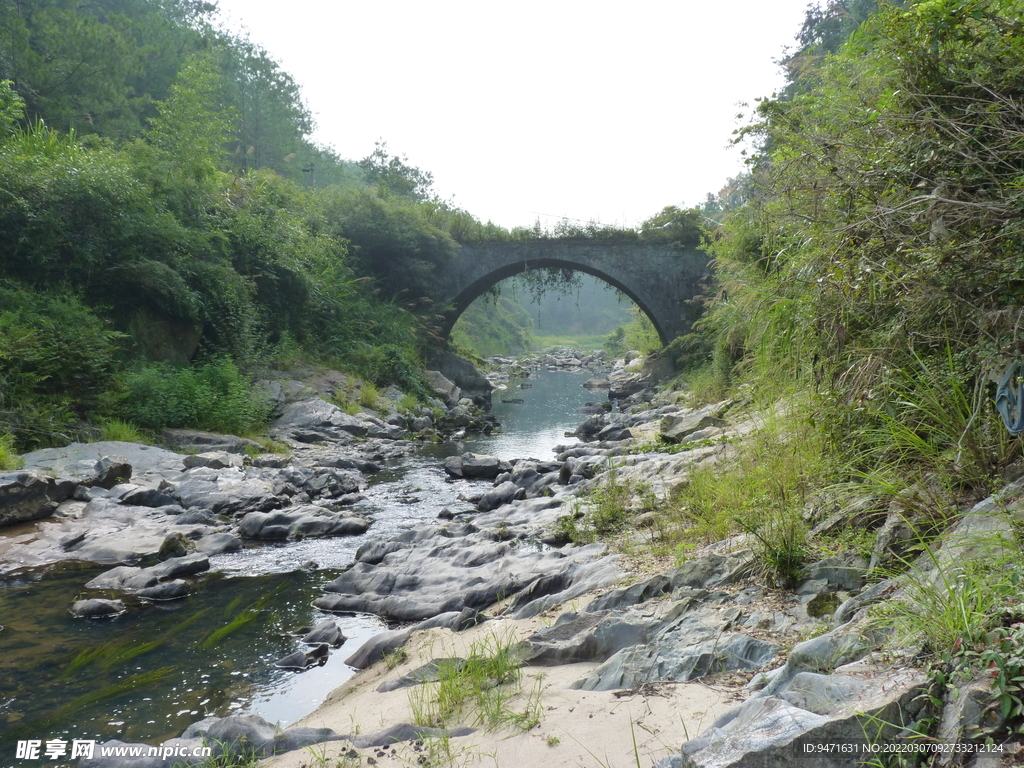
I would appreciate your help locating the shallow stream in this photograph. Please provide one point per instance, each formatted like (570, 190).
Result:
(149, 673)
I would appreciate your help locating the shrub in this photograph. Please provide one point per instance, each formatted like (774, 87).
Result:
(9, 459)
(214, 396)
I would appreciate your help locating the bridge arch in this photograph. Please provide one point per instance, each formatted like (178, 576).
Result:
(660, 279)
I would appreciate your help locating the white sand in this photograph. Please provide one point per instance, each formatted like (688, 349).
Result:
(576, 728)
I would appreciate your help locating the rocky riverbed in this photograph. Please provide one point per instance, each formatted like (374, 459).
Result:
(694, 664)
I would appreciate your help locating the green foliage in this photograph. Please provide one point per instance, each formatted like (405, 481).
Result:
(760, 487)
(494, 325)
(877, 261)
(605, 510)
(214, 396)
(121, 430)
(12, 107)
(56, 357)
(690, 351)
(9, 459)
(780, 542)
(392, 239)
(682, 228)
(392, 175)
(954, 599)
(638, 334)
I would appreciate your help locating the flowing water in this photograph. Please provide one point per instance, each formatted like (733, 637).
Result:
(147, 674)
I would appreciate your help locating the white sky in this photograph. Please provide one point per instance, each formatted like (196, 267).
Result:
(588, 110)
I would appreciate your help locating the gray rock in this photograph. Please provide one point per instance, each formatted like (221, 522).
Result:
(326, 632)
(428, 673)
(191, 439)
(98, 760)
(138, 496)
(678, 659)
(475, 465)
(373, 552)
(443, 387)
(124, 578)
(614, 433)
(222, 492)
(463, 373)
(377, 647)
(300, 522)
(189, 565)
(841, 572)
(407, 732)
(28, 496)
(654, 587)
(586, 637)
(965, 710)
(505, 493)
(219, 543)
(421, 424)
(302, 660)
(168, 590)
(77, 461)
(97, 608)
(317, 482)
(214, 460)
(772, 732)
(107, 472)
(675, 428)
(460, 416)
(320, 418)
(254, 733)
(448, 572)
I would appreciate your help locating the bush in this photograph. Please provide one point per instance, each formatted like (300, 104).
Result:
(57, 357)
(213, 397)
(9, 459)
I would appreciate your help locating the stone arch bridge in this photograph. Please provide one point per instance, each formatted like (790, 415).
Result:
(660, 278)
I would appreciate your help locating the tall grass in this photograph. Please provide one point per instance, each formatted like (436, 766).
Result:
(761, 488)
(479, 689)
(9, 459)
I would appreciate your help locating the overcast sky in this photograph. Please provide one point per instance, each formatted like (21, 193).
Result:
(587, 110)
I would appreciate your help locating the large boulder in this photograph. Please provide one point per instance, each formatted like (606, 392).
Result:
(300, 522)
(443, 387)
(464, 374)
(675, 428)
(804, 723)
(316, 419)
(30, 496)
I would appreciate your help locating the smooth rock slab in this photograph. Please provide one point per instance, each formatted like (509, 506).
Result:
(320, 417)
(771, 732)
(149, 465)
(299, 522)
(455, 573)
(665, 660)
(228, 734)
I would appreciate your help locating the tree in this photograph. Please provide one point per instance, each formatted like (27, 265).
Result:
(392, 175)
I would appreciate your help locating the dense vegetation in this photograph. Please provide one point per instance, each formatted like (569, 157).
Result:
(870, 297)
(877, 263)
(162, 204)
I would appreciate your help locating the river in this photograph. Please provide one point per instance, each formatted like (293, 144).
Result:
(149, 673)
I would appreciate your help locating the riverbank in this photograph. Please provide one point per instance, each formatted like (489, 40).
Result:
(515, 637)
